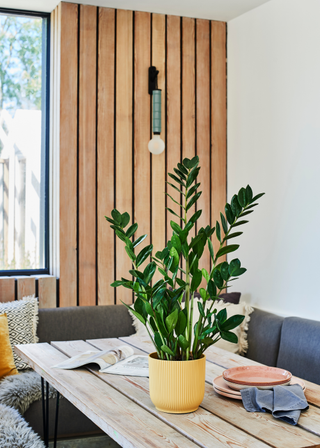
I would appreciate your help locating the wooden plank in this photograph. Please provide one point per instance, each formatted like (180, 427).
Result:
(68, 154)
(188, 95)
(127, 423)
(142, 157)
(7, 289)
(263, 426)
(218, 122)
(203, 129)
(26, 286)
(159, 161)
(87, 155)
(173, 112)
(123, 138)
(105, 155)
(202, 427)
(47, 291)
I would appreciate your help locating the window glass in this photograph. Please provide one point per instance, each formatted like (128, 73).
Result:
(23, 137)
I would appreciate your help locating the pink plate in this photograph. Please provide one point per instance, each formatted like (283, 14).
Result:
(257, 375)
(222, 388)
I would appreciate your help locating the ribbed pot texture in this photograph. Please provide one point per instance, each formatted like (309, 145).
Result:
(176, 386)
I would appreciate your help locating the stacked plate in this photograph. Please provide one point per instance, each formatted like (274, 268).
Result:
(262, 377)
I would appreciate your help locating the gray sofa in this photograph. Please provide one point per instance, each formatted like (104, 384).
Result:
(291, 343)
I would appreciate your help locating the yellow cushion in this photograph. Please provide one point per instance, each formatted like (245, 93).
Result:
(7, 366)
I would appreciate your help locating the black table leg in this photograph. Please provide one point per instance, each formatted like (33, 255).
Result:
(47, 414)
(56, 422)
(44, 414)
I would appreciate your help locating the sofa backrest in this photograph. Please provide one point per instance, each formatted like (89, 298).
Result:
(87, 322)
(299, 350)
(264, 337)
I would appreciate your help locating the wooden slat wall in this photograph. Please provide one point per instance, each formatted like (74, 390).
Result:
(105, 123)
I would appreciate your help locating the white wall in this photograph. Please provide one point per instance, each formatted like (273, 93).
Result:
(274, 145)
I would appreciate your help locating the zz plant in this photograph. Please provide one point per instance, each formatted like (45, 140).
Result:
(159, 305)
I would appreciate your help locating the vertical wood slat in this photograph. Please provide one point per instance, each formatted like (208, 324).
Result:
(203, 128)
(158, 161)
(26, 286)
(218, 121)
(173, 112)
(68, 154)
(142, 125)
(47, 291)
(7, 289)
(87, 155)
(123, 182)
(105, 155)
(188, 95)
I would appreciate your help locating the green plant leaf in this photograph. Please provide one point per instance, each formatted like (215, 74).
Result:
(131, 230)
(246, 213)
(242, 198)
(234, 266)
(166, 349)
(171, 211)
(176, 243)
(193, 200)
(232, 322)
(227, 249)
(222, 316)
(224, 271)
(139, 240)
(229, 214)
(196, 280)
(134, 312)
(252, 206)
(111, 220)
(239, 272)
(179, 173)
(120, 234)
(175, 178)
(196, 216)
(183, 343)
(148, 308)
(192, 176)
(189, 226)
(229, 336)
(224, 223)
(116, 216)
(136, 274)
(192, 190)
(116, 284)
(144, 254)
(157, 340)
(182, 169)
(181, 324)
(218, 233)
(185, 250)
(203, 293)
(175, 227)
(205, 274)
(171, 320)
(233, 235)
(173, 186)
(173, 200)
(186, 163)
(149, 271)
(218, 280)
(174, 254)
(130, 254)
(211, 249)
(140, 308)
(257, 197)
(201, 309)
(125, 218)
(193, 162)
(249, 194)
(239, 223)
(235, 206)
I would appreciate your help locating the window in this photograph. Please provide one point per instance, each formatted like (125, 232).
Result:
(24, 137)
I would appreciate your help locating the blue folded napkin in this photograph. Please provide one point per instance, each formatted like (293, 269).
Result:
(284, 402)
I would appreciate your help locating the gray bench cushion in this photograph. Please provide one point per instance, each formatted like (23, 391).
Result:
(264, 337)
(299, 350)
(87, 322)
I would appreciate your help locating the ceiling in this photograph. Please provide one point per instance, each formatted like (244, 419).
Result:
(223, 10)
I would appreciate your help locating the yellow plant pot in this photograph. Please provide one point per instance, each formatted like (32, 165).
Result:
(176, 386)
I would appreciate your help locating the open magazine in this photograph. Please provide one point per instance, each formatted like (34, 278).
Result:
(121, 361)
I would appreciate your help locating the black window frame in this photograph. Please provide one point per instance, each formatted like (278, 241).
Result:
(45, 88)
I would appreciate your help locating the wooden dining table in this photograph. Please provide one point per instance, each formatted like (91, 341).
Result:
(122, 408)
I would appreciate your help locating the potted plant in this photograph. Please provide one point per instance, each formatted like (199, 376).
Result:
(166, 307)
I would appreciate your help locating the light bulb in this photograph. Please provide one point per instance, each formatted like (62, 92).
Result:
(156, 145)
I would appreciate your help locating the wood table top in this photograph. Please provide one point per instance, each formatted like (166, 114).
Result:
(122, 408)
